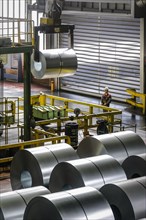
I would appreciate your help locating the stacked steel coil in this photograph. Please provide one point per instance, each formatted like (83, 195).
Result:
(127, 199)
(120, 145)
(32, 167)
(13, 204)
(135, 166)
(90, 188)
(92, 171)
(84, 203)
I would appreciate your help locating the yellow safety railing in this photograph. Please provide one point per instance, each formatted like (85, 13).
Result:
(91, 110)
(132, 101)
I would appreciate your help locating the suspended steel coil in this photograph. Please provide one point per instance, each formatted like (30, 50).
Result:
(135, 166)
(32, 167)
(13, 204)
(84, 203)
(54, 63)
(127, 199)
(93, 172)
(120, 145)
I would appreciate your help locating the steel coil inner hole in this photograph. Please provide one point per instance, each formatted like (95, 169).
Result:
(26, 179)
(38, 66)
(135, 175)
(116, 212)
(66, 187)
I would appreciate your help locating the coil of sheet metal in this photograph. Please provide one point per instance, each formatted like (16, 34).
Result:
(120, 145)
(62, 152)
(135, 166)
(57, 206)
(132, 142)
(13, 203)
(94, 171)
(54, 63)
(126, 198)
(32, 167)
(85, 203)
(142, 181)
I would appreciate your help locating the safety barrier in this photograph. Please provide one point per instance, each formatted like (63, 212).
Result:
(132, 101)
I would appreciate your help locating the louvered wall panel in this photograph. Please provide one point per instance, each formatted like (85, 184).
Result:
(108, 52)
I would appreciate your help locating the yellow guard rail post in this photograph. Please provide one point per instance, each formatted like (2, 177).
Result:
(133, 101)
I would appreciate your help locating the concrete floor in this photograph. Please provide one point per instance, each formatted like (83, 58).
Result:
(130, 116)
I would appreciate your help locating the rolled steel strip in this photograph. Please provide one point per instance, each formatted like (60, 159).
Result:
(63, 152)
(29, 193)
(85, 203)
(55, 206)
(142, 181)
(93, 203)
(73, 174)
(132, 142)
(32, 167)
(13, 204)
(127, 199)
(120, 145)
(94, 172)
(135, 166)
(109, 167)
(102, 144)
(54, 63)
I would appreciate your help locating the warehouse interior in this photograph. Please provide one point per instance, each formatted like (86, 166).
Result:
(65, 155)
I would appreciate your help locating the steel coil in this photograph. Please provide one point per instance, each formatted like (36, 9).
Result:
(62, 152)
(93, 203)
(93, 172)
(142, 181)
(120, 145)
(135, 166)
(85, 203)
(32, 167)
(54, 63)
(127, 199)
(132, 142)
(13, 204)
(56, 206)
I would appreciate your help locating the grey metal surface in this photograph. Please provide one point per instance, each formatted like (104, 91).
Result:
(120, 145)
(56, 206)
(62, 152)
(93, 172)
(31, 167)
(93, 203)
(54, 63)
(109, 168)
(13, 204)
(73, 174)
(29, 193)
(142, 181)
(132, 142)
(127, 199)
(102, 144)
(135, 166)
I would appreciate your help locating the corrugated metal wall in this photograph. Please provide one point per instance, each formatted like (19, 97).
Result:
(108, 51)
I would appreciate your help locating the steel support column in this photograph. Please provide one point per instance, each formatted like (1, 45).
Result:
(27, 94)
(145, 55)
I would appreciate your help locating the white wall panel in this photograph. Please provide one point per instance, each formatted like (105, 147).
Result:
(108, 52)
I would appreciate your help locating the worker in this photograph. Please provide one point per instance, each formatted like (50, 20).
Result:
(106, 97)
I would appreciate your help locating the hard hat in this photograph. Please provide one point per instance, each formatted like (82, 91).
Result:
(106, 89)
